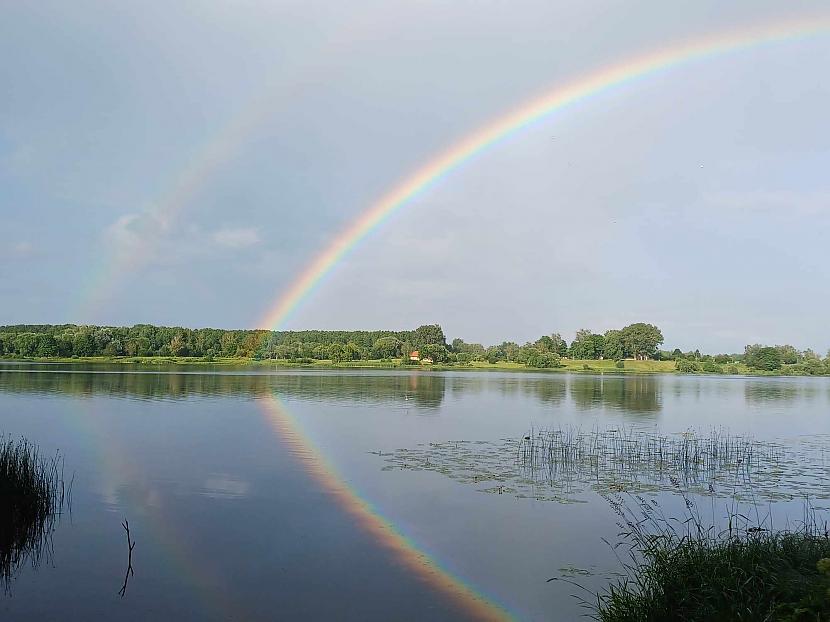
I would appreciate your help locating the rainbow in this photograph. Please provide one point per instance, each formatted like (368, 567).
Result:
(557, 99)
(407, 552)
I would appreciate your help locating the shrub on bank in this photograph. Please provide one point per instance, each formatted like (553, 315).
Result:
(681, 570)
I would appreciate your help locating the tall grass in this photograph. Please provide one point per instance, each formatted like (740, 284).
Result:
(680, 569)
(33, 493)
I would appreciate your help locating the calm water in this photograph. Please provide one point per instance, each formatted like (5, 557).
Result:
(260, 495)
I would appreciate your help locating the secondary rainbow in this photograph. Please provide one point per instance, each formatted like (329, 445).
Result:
(557, 99)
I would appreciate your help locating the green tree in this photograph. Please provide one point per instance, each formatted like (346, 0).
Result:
(789, 354)
(386, 347)
(613, 347)
(428, 334)
(435, 351)
(587, 345)
(83, 344)
(560, 346)
(641, 340)
(336, 352)
(764, 358)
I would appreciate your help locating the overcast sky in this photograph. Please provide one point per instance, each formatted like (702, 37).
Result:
(180, 163)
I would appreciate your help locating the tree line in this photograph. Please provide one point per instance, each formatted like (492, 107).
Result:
(142, 340)
(70, 340)
(636, 341)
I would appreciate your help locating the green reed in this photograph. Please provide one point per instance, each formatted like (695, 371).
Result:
(685, 569)
(33, 493)
(628, 453)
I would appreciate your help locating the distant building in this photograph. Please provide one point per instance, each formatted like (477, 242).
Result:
(426, 360)
(414, 356)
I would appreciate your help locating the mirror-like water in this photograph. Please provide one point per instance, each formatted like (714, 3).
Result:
(256, 494)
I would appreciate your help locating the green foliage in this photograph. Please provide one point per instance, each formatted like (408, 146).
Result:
(641, 340)
(539, 359)
(764, 358)
(683, 570)
(387, 347)
(428, 334)
(687, 366)
(613, 347)
(32, 491)
(435, 351)
(475, 350)
(620, 364)
(587, 345)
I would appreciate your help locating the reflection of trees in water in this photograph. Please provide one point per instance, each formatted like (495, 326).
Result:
(636, 394)
(769, 390)
(416, 388)
(33, 494)
(551, 391)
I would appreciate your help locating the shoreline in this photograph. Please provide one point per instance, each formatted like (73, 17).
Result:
(577, 366)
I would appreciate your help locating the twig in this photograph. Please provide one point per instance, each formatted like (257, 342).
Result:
(130, 572)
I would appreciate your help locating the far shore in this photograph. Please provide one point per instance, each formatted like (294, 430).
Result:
(583, 366)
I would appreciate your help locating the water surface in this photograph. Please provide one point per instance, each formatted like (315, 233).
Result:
(258, 494)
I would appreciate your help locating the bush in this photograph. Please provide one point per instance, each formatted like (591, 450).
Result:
(686, 366)
(620, 364)
(711, 367)
(542, 360)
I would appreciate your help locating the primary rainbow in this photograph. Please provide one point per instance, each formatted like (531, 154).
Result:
(408, 553)
(557, 99)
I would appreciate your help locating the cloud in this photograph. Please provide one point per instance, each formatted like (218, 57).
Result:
(22, 248)
(237, 237)
(132, 231)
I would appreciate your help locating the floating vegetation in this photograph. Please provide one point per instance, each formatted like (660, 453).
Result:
(563, 464)
(33, 494)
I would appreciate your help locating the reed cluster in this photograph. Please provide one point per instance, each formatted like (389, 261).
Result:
(683, 570)
(33, 493)
(629, 454)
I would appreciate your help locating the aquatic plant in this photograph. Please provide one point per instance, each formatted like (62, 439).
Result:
(565, 464)
(34, 493)
(682, 569)
(631, 455)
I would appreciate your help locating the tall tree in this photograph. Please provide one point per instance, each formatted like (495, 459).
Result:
(641, 340)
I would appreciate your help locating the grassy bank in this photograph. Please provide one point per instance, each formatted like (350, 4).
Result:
(681, 570)
(566, 365)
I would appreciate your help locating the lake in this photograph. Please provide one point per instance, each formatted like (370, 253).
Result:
(261, 494)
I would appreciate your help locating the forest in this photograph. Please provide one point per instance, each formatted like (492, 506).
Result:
(639, 341)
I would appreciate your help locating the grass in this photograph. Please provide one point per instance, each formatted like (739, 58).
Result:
(33, 493)
(566, 365)
(681, 570)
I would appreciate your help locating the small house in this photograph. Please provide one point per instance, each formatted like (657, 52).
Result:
(414, 356)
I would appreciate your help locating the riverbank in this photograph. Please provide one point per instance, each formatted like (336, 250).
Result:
(686, 570)
(586, 366)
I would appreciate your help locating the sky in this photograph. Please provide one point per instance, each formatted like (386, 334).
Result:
(181, 163)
